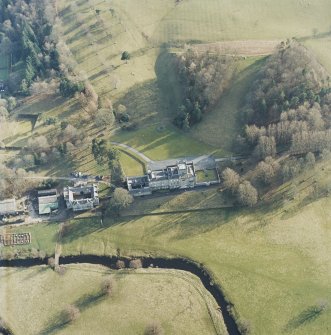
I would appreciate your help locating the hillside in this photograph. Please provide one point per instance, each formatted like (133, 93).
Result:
(119, 84)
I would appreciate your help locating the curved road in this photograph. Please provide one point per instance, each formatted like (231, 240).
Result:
(133, 150)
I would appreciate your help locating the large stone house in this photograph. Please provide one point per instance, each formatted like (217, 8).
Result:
(81, 198)
(178, 176)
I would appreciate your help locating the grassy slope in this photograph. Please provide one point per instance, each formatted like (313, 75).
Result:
(140, 28)
(321, 48)
(220, 124)
(163, 144)
(272, 262)
(36, 296)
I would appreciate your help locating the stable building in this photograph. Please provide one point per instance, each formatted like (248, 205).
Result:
(8, 207)
(47, 201)
(178, 176)
(81, 198)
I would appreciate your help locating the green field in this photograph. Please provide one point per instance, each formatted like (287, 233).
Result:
(273, 262)
(250, 252)
(33, 299)
(132, 166)
(164, 143)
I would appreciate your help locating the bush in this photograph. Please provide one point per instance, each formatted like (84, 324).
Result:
(71, 313)
(120, 264)
(247, 194)
(244, 327)
(69, 88)
(135, 264)
(60, 269)
(154, 329)
(125, 55)
(51, 262)
(107, 286)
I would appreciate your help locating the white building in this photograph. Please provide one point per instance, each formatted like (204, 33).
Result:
(178, 176)
(81, 198)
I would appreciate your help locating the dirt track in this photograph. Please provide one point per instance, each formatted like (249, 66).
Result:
(242, 48)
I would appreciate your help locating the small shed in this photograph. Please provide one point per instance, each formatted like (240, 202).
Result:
(47, 201)
(8, 207)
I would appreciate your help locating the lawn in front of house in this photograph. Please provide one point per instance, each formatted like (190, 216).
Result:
(159, 143)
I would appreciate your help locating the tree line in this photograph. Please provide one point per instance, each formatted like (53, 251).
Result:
(204, 76)
(288, 107)
(28, 40)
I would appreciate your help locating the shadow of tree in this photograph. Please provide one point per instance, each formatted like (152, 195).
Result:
(57, 323)
(81, 227)
(307, 316)
(189, 224)
(89, 299)
(60, 320)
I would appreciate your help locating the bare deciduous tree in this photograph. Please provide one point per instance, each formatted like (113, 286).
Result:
(247, 194)
(71, 313)
(120, 264)
(121, 198)
(231, 179)
(135, 264)
(107, 286)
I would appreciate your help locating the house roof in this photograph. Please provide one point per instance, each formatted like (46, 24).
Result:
(47, 192)
(8, 206)
(47, 203)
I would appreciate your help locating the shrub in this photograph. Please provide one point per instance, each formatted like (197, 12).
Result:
(135, 264)
(120, 264)
(107, 286)
(244, 327)
(71, 313)
(51, 262)
(247, 194)
(153, 329)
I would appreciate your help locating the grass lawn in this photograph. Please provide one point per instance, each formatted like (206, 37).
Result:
(35, 298)
(131, 165)
(206, 175)
(169, 142)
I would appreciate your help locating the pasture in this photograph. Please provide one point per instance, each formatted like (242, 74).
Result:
(35, 298)
(275, 255)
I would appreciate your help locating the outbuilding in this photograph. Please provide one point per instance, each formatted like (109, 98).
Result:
(8, 207)
(47, 201)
